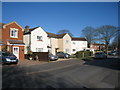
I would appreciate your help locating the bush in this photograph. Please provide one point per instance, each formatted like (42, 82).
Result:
(87, 58)
(73, 56)
(81, 54)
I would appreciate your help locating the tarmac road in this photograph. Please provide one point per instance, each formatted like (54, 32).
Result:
(63, 74)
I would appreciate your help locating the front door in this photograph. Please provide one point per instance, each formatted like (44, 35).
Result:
(16, 51)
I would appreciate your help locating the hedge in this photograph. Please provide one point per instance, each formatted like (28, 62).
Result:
(81, 54)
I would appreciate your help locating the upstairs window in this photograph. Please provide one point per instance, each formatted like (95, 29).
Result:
(74, 50)
(67, 41)
(14, 33)
(39, 38)
(73, 42)
(67, 50)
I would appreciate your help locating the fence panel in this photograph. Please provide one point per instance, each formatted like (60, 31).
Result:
(41, 56)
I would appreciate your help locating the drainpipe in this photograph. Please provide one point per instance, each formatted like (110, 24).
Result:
(30, 41)
(50, 45)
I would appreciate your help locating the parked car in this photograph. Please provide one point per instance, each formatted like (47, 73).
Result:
(8, 58)
(0, 57)
(53, 57)
(63, 55)
(113, 53)
(100, 55)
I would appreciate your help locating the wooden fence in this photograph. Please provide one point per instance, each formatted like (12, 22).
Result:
(41, 56)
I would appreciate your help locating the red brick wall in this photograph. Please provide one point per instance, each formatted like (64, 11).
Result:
(0, 36)
(6, 33)
(6, 36)
(96, 47)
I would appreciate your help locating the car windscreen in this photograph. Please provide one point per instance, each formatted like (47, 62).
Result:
(98, 53)
(7, 54)
(51, 55)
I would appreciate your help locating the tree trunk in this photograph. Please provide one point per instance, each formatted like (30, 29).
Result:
(107, 47)
(88, 45)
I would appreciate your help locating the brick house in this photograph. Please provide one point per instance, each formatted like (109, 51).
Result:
(97, 46)
(1, 43)
(78, 44)
(12, 37)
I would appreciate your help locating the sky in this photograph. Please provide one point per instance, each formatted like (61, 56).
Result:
(55, 16)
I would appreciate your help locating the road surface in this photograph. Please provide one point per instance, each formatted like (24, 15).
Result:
(63, 74)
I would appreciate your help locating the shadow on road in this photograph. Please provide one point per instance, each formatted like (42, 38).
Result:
(111, 62)
(17, 79)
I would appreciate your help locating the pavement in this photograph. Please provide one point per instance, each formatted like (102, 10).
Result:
(27, 62)
(72, 73)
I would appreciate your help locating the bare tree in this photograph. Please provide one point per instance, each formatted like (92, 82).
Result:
(89, 33)
(116, 41)
(64, 31)
(106, 33)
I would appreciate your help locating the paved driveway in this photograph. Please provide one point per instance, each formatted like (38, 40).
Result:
(62, 74)
(35, 62)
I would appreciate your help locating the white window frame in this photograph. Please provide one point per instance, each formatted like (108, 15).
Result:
(74, 43)
(67, 41)
(67, 50)
(15, 34)
(40, 38)
(39, 49)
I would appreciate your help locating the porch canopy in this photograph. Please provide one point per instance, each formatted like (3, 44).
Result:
(16, 42)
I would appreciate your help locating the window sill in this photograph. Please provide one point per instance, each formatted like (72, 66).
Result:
(39, 40)
(13, 37)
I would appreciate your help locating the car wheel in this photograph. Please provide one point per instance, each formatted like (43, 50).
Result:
(3, 63)
(67, 56)
(16, 62)
(106, 57)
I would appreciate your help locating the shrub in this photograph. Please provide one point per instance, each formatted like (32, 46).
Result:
(73, 56)
(81, 54)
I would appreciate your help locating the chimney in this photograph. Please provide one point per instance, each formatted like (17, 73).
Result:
(26, 27)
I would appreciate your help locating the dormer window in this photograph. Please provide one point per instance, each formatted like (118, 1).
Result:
(13, 33)
(39, 38)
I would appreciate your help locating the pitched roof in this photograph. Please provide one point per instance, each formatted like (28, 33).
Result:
(15, 23)
(56, 35)
(78, 39)
(16, 42)
(51, 35)
(30, 30)
(97, 44)
(61, 35)
(1, 24)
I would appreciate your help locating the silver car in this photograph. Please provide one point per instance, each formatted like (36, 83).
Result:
(7, 57)
(100, 55)
(53, 57)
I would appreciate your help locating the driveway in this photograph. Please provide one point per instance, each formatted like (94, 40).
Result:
(72, 73)
(27, 62)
